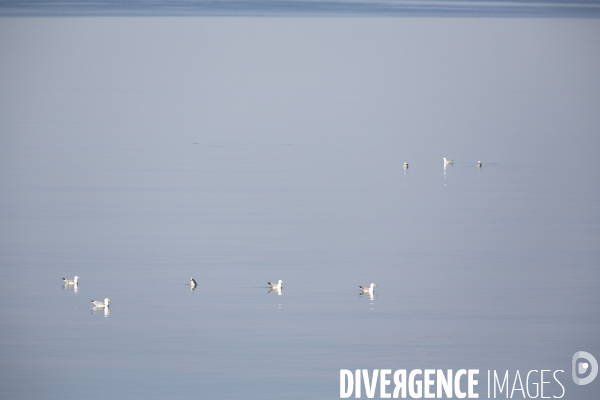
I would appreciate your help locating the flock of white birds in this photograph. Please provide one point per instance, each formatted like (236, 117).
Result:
(446, 162)
(274, 287)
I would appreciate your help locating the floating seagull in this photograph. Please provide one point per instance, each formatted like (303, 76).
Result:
(447, 162)
(405, 165)
(101, 304)
(71, 281)
(368, 289)
(277, 285)
(478, 164)
(193, 283)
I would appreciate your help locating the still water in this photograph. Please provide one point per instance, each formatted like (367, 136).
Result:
(379, 8)
(138, 153)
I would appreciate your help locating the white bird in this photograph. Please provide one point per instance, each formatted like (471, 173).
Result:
(71, 281)
(478, 164)
(447, 162)
(277, 285)
(405, 165)
(193, 283)
(101, 304)
(368, 289)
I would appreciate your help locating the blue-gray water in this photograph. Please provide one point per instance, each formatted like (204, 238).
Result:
(381, 8)
(137, 153)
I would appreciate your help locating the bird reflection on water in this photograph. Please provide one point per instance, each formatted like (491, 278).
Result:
(68, 286)
(276, 290)
(106, 310)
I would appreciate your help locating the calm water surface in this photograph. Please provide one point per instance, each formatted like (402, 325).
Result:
(380, 8)
(139, 153)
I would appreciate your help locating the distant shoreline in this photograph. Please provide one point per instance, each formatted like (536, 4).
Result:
(301, 8)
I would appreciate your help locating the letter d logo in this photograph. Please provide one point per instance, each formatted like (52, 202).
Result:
(582, 367)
